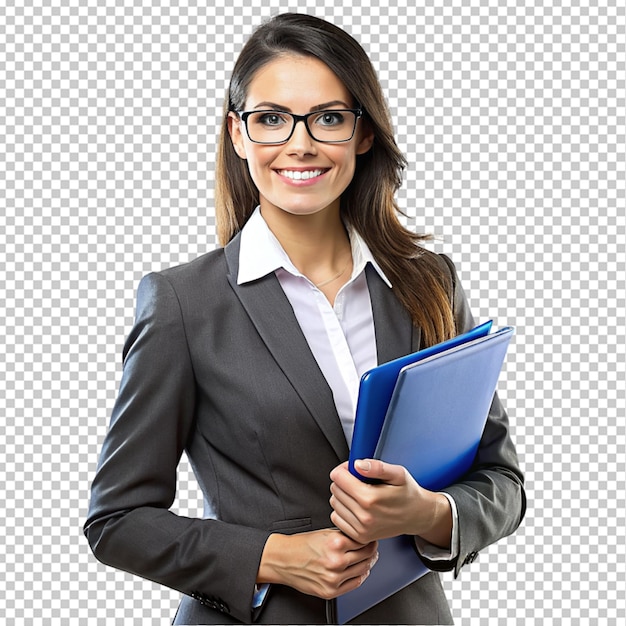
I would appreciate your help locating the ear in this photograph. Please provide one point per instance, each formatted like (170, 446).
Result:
(236, 136)
(365, 138)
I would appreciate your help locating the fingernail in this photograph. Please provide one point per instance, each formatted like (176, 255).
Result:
(365, 466)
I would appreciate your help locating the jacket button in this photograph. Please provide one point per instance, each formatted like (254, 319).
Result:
(470, 558)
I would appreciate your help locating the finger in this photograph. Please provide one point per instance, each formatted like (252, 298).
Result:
(348, 499)
(355, 577)
(370, 558)
(364, 560)
(346, 511)
(349, 528)
(365, 553)
(351, 518)
(355, 564)
(386, 472)
(348, 483)
(337, 471)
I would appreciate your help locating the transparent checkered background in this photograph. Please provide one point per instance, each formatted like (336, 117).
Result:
(512, 115)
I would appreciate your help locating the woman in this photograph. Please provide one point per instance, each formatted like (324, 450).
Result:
(249, 359)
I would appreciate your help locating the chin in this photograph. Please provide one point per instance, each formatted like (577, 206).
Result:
(300, 209)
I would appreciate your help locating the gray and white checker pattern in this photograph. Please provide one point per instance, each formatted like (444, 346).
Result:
(512, 115)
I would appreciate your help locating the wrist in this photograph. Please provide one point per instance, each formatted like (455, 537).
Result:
(437, 529)
(274, 550)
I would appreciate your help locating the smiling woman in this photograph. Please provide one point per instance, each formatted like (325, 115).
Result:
(297, 174)
(368, 202)
(249, 360)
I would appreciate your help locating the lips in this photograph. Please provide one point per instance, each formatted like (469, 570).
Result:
(301, 174)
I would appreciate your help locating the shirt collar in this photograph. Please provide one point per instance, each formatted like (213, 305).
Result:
(260, 253)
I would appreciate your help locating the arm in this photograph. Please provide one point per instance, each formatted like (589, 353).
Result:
(129, 524)
(490, 500)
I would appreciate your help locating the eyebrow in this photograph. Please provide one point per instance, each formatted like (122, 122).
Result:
(320, 107)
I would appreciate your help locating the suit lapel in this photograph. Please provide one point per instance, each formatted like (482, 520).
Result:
(270, 312)
(395, 334)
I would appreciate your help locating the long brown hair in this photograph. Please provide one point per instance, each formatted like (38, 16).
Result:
(420, 279)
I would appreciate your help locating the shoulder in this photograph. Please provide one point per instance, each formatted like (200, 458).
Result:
(203, 271)
(433, 259)
(460, 304)
(205, 266)
(439, 265)
(214, 266)
(448, 267)
(447, 273)
(184, 286)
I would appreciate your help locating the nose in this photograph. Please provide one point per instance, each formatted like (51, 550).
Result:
(301, 141)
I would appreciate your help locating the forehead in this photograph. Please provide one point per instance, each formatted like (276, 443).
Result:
(296, 82)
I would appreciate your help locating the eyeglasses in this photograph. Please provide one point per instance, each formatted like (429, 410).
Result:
(276, 127)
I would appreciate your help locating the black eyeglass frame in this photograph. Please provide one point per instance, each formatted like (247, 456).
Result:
(244, 115)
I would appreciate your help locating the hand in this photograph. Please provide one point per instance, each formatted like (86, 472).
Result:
(322, 563)
(397, 506)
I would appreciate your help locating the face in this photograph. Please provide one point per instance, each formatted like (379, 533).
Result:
(302, 176)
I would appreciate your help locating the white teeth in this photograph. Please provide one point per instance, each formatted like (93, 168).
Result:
(298, 175)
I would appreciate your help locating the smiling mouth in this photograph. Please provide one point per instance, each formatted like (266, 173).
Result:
(301, 175)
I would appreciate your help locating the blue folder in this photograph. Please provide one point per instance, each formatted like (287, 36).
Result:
(432, 424)
(376, 389)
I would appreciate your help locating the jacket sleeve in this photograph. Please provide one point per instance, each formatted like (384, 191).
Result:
(129, 524)
(490, 498)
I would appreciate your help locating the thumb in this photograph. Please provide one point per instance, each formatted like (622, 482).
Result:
(388, 473)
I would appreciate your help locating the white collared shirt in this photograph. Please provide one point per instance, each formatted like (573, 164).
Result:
(341, 337)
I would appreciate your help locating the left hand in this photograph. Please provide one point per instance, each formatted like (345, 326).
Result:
(397, 506)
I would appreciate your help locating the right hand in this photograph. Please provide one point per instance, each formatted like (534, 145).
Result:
(323, 563)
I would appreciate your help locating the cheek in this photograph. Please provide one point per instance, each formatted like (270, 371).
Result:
(258, 162)
(346, 161)
(259, 173)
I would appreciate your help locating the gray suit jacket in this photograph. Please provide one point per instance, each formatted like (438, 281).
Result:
(224, 373)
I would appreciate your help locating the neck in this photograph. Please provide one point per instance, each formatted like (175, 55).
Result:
(317, 244)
